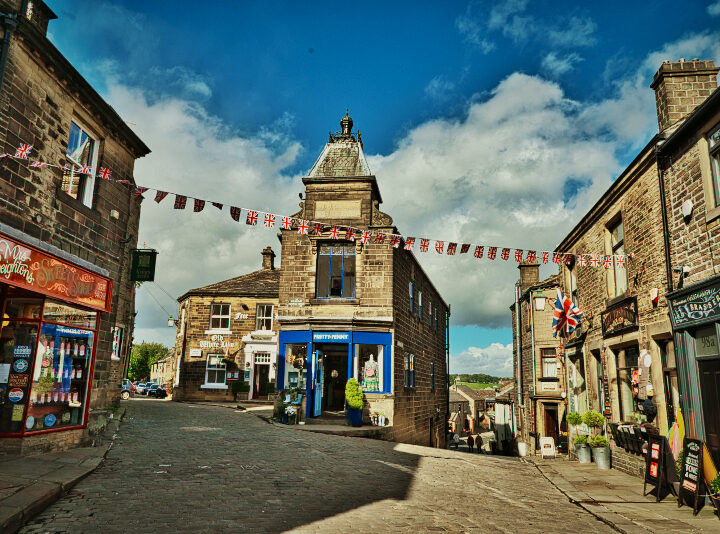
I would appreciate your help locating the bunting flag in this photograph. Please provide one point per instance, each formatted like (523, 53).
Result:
(581, 260)
(505, 254)
(4, 155)
(531, 255)
(566, 316)
(518, 255)
(409, 243)
(545, 256)
(424, 245)
(198, 206)
(492, 251)
(160, 195)
(568, 259)
(235, 213)
(556, 257)
(595, 260)
(86, 169)
(180, 201)
(37, 164)
(252, 218)
(318, 229)
(379, 238)
(104, 173)
(452, 247)
(218, 205)
(479, 251)
(269, 220)
(395, 240)
(139, 190)
(335, 232)
(350, 234)
(23, 151)
(303, 227)
(620, 261)
(286, 223)
(439, 247)
(464, 248)
(365, 237)
(607, 262)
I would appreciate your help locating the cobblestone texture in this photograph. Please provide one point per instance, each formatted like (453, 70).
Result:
(194, 468)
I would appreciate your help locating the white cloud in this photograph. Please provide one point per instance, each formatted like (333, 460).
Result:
(439, 88)
(714, 9)
(576, 31)
(495, 360)
(556, 66)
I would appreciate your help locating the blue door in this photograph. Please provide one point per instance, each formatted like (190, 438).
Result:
(317, 382)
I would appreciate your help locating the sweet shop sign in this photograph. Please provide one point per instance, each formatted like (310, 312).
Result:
(26, 267)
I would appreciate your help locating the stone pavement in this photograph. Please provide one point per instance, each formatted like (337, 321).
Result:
(193, 468)
(617, 498)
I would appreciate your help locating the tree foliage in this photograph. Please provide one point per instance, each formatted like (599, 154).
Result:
(477, 377)
(143, 355)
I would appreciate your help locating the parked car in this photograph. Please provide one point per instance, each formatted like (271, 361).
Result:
(157, 391)
(147, 387)
(140, 388)
(126, 389)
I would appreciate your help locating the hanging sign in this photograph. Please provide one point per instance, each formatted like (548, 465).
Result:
(142, 268)
(691, 478)
(28, 268)
(620, 317)
(607, 404)
(659, 467)
(701, 305)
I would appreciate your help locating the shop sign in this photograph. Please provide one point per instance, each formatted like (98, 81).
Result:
(699, 306)
(22, 351)
(17, 412)
(691, 480)
(20, 365)
(332, 337)
(31, 269)
(18, 381)
(142, 267)
(620, 317)
(216, 342)
(15, 395)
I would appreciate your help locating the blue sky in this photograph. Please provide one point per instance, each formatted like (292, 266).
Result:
(497, 122)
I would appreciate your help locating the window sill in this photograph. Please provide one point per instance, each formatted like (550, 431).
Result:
(712, 214)
(76, 204)
(225, 331)
(335, 300)
(214, 386)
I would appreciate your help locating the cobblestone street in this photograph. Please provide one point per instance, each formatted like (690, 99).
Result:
(194, 468)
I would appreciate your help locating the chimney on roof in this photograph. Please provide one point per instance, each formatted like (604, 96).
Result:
(268, 255)
(529, 274)
(680, 87)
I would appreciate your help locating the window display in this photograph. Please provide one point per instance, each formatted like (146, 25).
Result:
(370, 365)
(17, 344)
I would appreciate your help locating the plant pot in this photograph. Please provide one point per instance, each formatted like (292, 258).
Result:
(583, 454)
(601, 455)
(381, 420)
(355, 417)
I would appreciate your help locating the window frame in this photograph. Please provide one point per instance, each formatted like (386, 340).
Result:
(419, 304)
(86, 184)
(432, 376)
(616, 249)
(411, 291)
(218, 366)
(409, 370)
(714, 157)
(259, 318)
(330, 244)
(220, 316)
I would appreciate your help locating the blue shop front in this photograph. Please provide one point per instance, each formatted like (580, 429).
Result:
(321, 362)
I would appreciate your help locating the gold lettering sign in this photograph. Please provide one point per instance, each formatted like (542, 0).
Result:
(337, 209)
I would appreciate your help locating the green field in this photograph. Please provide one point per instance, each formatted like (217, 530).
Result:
(477, 385)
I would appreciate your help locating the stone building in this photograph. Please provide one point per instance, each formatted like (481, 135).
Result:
(349, 308)
(539, 368)
(476, 404)
(66, 300)
(227, 331)
(460, 420)
(161, 372)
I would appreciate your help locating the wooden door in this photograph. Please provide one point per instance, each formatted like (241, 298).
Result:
(551, 422)
(710, 393)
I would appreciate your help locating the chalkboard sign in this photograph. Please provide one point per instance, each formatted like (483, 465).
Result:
(659, 467)
(691, 477)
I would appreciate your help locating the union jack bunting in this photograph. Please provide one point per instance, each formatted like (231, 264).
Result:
(479, 251)
(85, 169)
(545, 256)
(505, 253)
(518, 255)
(160, 195)
(556, 257)
(104, 173)
(123, 181)
(139, 190)
(451, 248)
(365, 237)
(269, 220)
(180, 202)
(566, 316)
(492, 252)
(23, 151)
(409, 243)
(424, 244)
(37, 164)
(252, 218)
(464, 248)
(350, 234)
(217, 205)
(607, 262)
(380, 237)
(318, 229)
(235, 213)
(334, 232)
(286, 223)
(620, 261)
(199, 205)
(4, 155)
(395, 240)
(531, 255)
(303, 227)
(439, 246)
(581, 260)
(568, 259)
(594, 260)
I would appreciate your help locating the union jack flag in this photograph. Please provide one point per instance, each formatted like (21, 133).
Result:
(439, 246)
(620, 261)
(594, 260)
(518, 255)
(218, 205)
(556, 257)
(4, 155)
(395, 240)
(479, 251)
(350, 234)
(505, 253)
(160, 195)
(269, 220)
(531, 255)
(234, 213)
(365, 237)
(85, 169)
(139, 190)
(335, 232)
(545, 256)
(568, 259)
(104, 173)
(199, 205)
(464, 248)
(492, 252)
(303, 227)
(607, 262)
(566, 316)
(451, 248)
(409, 243)
(424, 244)
(123, 181)
(180, 202)
(380, 237)
(581, 260)
(23, 151)
(286, 223)
(252, 218)
(37, 164)
(318, 229)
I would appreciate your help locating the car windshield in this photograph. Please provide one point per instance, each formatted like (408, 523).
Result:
(154, 386)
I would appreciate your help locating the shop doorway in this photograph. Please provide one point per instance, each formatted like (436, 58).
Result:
(710, 391)
(262, 377)
(335, 375)
(551, 422)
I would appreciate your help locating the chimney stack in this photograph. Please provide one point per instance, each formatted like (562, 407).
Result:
(529, 274)
(680, 87)
(268, 262)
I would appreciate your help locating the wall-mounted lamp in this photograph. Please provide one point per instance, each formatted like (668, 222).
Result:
(687, 208)
(171, 322)
(540, 300)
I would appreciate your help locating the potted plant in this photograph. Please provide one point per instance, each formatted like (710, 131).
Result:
(354, 402)
(715, 491)
(381, 419)
(600, 451)
(582, 449)
(240, 386)
(593, 419)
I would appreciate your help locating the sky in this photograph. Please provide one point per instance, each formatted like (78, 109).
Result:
(497, 122)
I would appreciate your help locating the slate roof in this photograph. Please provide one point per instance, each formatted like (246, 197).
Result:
(341, 159)
(262, 283)
(456, 397)
(477, 394)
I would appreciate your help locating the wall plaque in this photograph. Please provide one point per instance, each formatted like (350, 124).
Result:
(620, 317)
(699, 306)
(338, 209)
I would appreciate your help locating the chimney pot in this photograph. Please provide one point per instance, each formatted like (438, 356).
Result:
(268, 259)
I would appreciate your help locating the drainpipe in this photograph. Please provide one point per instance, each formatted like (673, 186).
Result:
(9, 23)
(531, 304)
(518, 349)
(663, 211)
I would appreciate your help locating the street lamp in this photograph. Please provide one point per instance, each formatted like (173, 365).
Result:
(540, 300)
(171, 321)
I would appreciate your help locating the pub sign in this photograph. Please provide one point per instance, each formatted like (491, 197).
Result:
(620, 317)
(143, 265)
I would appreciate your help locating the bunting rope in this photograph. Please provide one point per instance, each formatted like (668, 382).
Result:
(344, 232)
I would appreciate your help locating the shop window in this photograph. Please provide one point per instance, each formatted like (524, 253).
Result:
(411, 291)
(57, 312)
(714, 147)
(293, 379)
(335, 271)
(627, 381)
(215, 371)
(23, 308)
(17, 343)
(81, 152)
(220, 316)
(369, 367)
(117, 342)
(410, 371)
(706, 341)
(617, 247)
(549, 363)
(419, 304)
(432, 376)
(264, 317)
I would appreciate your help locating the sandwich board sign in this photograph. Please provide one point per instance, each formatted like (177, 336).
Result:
(659, 467)
(691, 476)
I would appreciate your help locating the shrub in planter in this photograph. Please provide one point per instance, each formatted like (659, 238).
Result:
(593, 419)
(678, 465)
(600, 451)
(270, 388)
(581, 440)
(598, 441)
(582, 449)
(354, 401)
(239, 386)
(574, 418)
